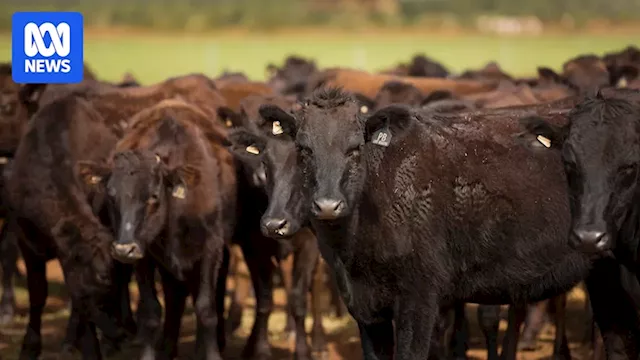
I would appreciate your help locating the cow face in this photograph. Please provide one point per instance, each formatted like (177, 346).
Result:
(330, 134)
(140, 190)
(292, 77)
(17, 104)
(274, 161)
(601, 154)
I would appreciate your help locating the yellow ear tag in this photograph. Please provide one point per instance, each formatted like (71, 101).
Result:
(252, 150)
(364, 109)
(157, 159)
(95, 179)
(544, 141)
(228, 123)
(276, 129)
(622, 83)
(178, 192)
(4, 160)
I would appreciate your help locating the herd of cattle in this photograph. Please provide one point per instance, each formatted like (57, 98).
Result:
(415, 190)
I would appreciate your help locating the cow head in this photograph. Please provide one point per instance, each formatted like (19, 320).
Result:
(140, 188)
(601, 155)
(292, 77)
(274, 157)
(330, 135)
(17, 104)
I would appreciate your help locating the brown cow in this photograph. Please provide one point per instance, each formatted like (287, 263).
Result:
(491, 71)
(67, 130)
(17, 104)
(172, 187)
(368, 84)
(292, 77)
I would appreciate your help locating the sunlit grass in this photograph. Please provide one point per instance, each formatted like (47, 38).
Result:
(154, 57)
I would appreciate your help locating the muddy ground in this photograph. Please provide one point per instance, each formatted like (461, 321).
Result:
(343, 334)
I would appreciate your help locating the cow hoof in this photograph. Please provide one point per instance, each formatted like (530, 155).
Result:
(259, 355)
(7, 310)
(303, 357)
(234, 320)
(318, 343)
(527, 345)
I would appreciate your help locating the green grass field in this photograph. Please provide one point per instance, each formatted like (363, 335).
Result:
(154, 57)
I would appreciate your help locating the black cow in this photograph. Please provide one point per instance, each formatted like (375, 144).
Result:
(600, 149)
(478, 219)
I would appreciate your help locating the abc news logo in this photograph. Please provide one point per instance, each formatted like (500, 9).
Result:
(34, 44)
(47, 47)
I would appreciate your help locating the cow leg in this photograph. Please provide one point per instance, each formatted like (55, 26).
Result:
(560, 344)
(203, 288)
(517, 313)
(261, 268)
(241, 291)
(318, 335)
(175, 298)
(81, 334)
(459, 339)
(287, 269)
(305, 258)
(614, 310)
(336, 300)
(120, 309)
(489, 320)
(149, 311)
(70, 341)
(532, 325)
(8, 258)
(221, 290)
(415, 325)
(38, 292)
(376, 340)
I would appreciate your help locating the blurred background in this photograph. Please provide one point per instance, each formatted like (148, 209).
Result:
(157, 38)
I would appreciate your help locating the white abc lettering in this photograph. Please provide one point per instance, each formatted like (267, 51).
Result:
(382, 137)
(34, 39)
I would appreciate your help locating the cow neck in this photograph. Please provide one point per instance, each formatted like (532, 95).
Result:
(627, 239)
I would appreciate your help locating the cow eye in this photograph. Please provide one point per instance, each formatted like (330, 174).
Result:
(627, 169)
(152, 200)
(7, 109)
(353, 151)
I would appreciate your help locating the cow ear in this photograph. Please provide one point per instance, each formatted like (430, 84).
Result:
(271, 70)
(366, 104)
(228, 117)
(284, 122)
(390, 122)
(437, 96)
(539, 134)
(30, 95)
(548, 75)
(92, 173)
(245, 145)
(181, 179)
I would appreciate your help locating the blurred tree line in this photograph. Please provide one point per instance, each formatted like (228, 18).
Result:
(200, 15)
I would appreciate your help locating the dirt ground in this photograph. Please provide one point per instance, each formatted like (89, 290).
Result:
(342, 333)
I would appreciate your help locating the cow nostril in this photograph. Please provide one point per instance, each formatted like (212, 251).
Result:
(592, 239)
(278, 226)
(328, 208)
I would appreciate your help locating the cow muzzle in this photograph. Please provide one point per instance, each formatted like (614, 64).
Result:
(126, 253)
(328, 209)
(590, 240)
(276, 228)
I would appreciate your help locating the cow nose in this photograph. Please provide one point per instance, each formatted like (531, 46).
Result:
(275, 226)
(327, 209)
(127, 252)
(590, 240)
